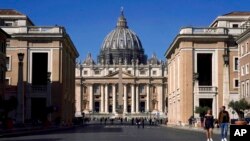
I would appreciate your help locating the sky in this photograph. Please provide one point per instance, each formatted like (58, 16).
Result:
(156, 22)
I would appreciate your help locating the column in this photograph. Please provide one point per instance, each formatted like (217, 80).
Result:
(78, 101)
(106, 98)
(125, 99)
(114, 99)
(137, 98)
(148, 99)
(91, 97)
(132, 99)
(102, 98)
(160, 98)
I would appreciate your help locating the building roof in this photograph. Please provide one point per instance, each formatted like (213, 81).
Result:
(238, 13)
(9, 12)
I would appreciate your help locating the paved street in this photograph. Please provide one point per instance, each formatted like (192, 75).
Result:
(116, 133)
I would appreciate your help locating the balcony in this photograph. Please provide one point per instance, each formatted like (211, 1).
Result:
(207, 89)
(39, 89)
(211, 31)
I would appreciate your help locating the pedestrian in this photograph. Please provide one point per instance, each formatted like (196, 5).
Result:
(132, 121)
(138, 122)
(105, 121)
(150, 121)
(224, 121)
(142, 122)
(209, 124)
(121, 121)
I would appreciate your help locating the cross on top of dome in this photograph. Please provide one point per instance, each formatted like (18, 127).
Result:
(122, 22)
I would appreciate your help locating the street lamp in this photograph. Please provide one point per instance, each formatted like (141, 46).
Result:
(226, 58)
(20, 96)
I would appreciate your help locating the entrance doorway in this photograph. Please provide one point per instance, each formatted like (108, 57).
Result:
(97, 106)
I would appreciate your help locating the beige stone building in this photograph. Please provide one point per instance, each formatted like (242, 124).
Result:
(203, 67)
(3, 38)
(244, 61)
(48, 66)
(123, 82)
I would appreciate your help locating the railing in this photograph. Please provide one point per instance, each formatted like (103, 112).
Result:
(39, 89)
(207, 89)
(33, 29)
(218, 30)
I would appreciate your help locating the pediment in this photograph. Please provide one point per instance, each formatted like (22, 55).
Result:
(116, 75)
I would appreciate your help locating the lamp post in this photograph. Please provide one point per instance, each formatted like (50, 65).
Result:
(226, 77)
(20, 96)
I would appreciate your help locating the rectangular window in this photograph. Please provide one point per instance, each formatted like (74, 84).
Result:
(110, 72)
(129, 72)
(236, 83)
(246, 47)
(242, 70)
(85, 72)
(247, 89)
(235, 25)
(154, 72)
(8, 23)
(242, 50)
(141, 89)
(236, 63)
(142, 72)
(243, 90)
(97, 72)
(247, 69)
(8, 63)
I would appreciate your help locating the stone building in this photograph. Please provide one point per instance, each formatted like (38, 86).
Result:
(244, 61)
(3, 37)
(203, 67)
(48, 66)
(123, 82)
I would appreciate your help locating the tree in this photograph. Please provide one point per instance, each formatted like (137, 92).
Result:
(239, 107)
(201, 110)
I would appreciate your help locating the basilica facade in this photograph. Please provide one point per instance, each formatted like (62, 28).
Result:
(123, 82)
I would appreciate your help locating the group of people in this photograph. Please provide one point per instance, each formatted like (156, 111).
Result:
(223, 121)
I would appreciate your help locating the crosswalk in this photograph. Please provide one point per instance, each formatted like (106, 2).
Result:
(127, 126)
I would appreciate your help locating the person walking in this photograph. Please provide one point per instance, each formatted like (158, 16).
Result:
(224, 122)
(209, 124)
(142, 121)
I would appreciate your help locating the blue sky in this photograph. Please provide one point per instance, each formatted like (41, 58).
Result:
(156, 22)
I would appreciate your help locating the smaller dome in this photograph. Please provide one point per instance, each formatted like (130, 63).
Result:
(154, 60)
(89, 60)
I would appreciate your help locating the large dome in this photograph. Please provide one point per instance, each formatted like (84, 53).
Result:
(122, 45)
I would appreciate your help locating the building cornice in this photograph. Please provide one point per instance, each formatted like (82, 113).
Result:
(196, 37)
